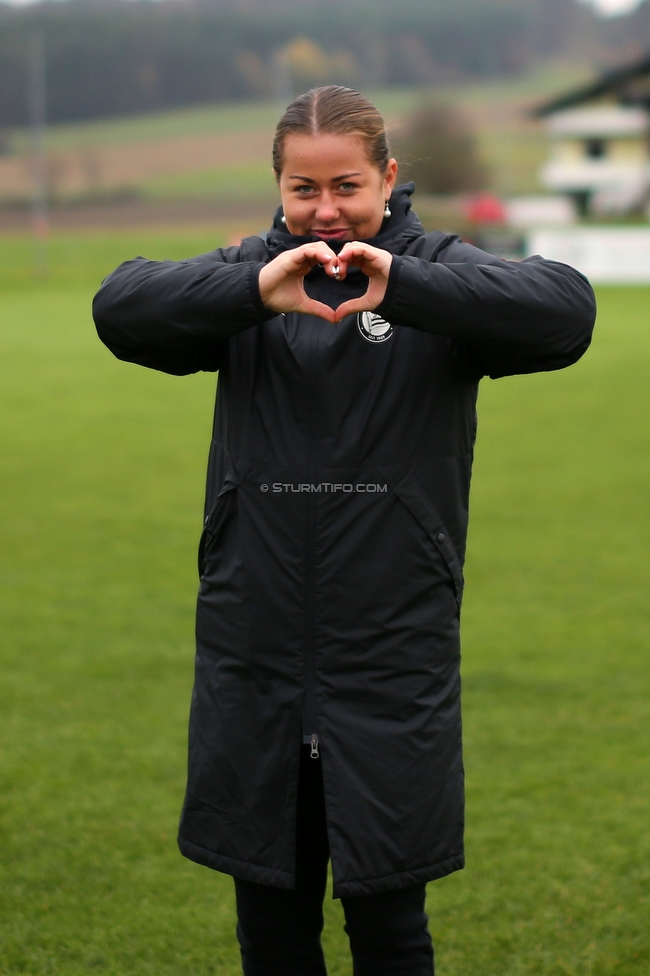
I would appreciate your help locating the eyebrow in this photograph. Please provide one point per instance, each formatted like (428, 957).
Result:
(336, 179)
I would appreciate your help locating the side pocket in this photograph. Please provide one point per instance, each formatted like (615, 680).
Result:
(424, 512)
(221, 511)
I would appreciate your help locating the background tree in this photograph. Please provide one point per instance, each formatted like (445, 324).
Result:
(113, 57)
(438, 150)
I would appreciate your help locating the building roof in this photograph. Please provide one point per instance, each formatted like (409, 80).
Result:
(607, 121)
(615, 82)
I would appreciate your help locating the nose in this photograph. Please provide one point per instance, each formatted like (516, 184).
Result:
(327, 211)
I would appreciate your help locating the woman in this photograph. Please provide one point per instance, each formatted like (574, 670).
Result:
(349, 344)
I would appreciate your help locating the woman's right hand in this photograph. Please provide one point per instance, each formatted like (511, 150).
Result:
(282, 280)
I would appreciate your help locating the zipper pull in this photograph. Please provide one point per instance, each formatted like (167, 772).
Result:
(314, 754)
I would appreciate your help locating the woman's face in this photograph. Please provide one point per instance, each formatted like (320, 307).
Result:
(331, 190)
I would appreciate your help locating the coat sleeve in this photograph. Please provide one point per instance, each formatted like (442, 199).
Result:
(508, 316)
(176, 316)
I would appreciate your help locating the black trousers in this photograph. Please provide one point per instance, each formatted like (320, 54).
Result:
(279, 931)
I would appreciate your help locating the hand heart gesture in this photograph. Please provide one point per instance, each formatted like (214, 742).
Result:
(282, 281)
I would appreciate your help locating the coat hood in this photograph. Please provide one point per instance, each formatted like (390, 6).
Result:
(396, 232)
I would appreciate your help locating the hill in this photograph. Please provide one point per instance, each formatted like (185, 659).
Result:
(217, 158)
(213, 162)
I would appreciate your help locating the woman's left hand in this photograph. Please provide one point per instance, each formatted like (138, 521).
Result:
(376, 264)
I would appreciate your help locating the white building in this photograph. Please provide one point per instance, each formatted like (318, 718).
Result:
(600, 142)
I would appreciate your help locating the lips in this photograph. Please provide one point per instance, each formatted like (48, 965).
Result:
(332, 233)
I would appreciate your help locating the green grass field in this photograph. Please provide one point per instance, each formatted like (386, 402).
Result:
(102, 474)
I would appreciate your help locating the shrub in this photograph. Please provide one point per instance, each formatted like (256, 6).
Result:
(437, 149)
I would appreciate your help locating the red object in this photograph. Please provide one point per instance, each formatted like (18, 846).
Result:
(485, 209)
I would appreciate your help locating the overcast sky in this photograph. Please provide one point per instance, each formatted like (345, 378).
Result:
(607, 7)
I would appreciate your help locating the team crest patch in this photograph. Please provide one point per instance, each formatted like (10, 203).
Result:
(373, 328)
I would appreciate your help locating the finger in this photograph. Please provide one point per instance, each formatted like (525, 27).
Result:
(371, 260)
(354, 249)
(352, 306)
(300, 261)
(311, 307)
(337, 268)
(316, 253)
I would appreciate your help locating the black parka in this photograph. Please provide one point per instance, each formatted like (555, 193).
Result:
(335, 526)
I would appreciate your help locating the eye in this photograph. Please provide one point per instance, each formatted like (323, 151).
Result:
(347, 187)
(303, 190)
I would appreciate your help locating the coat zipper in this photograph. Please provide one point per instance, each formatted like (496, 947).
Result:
(309, 725)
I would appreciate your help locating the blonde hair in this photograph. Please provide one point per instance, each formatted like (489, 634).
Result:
(333, 108)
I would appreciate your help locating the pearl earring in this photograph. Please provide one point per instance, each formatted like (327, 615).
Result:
(284, 219)
(387, 211)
